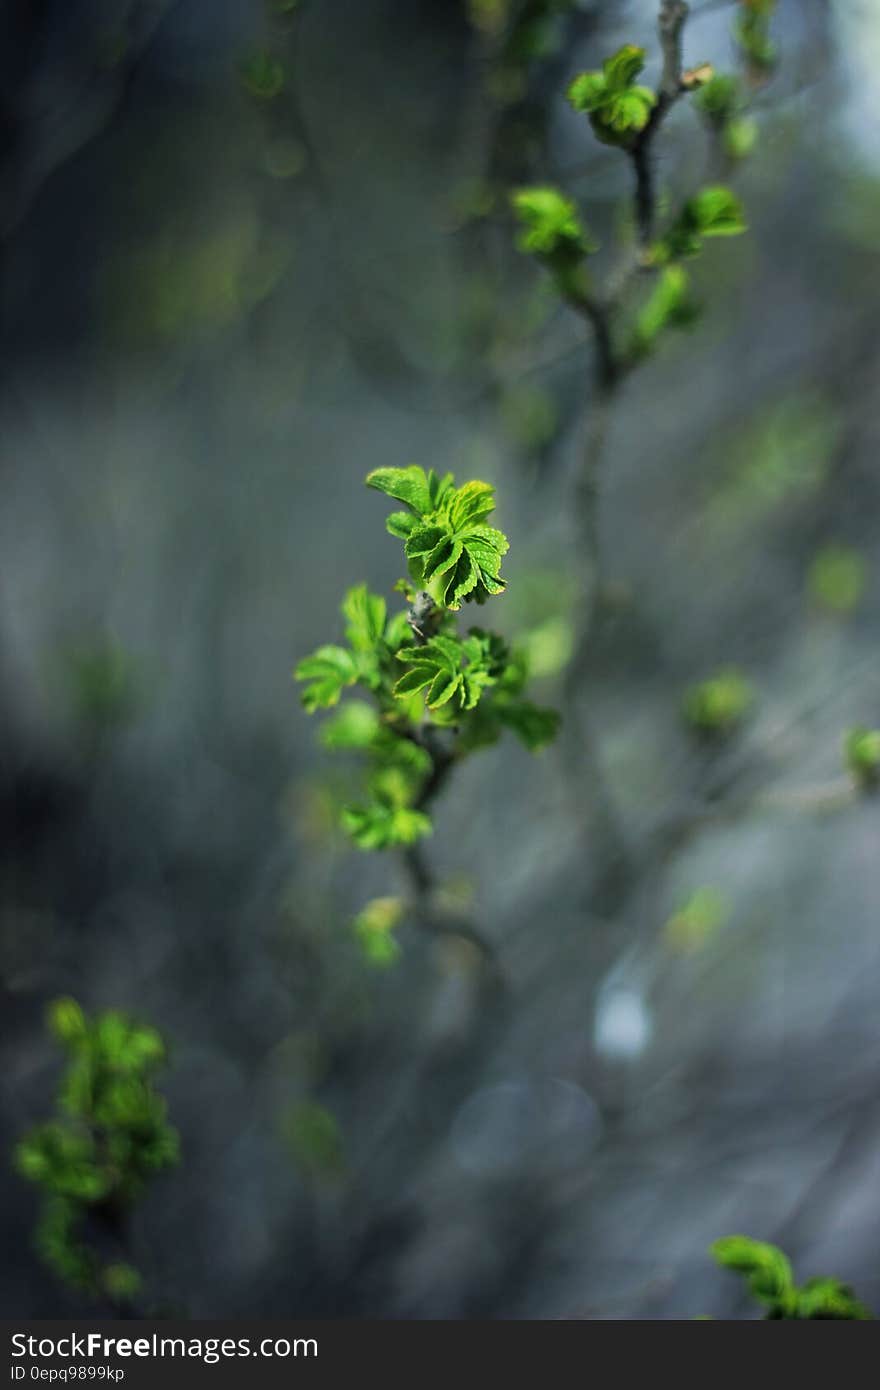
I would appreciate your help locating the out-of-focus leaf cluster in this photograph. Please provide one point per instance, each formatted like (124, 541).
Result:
(770, 1280)
(109, 1138)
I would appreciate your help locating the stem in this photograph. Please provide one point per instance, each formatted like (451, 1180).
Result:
(673, 14)
(600, 824)
(595, 804)
(422, 618)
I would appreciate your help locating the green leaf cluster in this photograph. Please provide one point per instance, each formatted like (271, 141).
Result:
(752, 33)
(770, 1280)
(453, 669)
(551, 223)
(722, 102)
(388, 818)
(669, 305)
(109, 1138)
(712, 212)
(553, 232)
(619, 109)
(435, 693)
(452, 553)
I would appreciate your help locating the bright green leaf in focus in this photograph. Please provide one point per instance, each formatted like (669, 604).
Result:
(422, 492)
(447, 668)
(450, 550)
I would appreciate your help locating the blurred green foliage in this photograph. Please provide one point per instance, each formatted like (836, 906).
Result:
(110, 1137)
(263, 75)
(517, 34)
(862, 756)
(182, 285)
(712, 212)
(102, 685)
(782, 457)
(716, 707)
(530, 417)
(836, 578)
(669, 305)
(618, 107)
(374, 928)
(315, 1141)
(769, 1278)
(698, 921)
(722, 101)
(752, 33)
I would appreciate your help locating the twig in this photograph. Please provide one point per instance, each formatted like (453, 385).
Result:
(421, 616)
(609, 370)
(673, 14)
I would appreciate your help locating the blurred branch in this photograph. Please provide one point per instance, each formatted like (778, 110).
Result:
(673, 14)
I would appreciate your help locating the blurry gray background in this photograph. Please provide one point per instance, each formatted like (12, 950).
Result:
(218, 313)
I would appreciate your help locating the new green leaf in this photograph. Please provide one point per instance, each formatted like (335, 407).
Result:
(328, 670)
(618, 108)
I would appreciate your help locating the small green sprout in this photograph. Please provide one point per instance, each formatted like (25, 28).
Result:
(712, 212)
(862, 756)
(718, 706)
(752, 33)
(722, 101)
(618, 108)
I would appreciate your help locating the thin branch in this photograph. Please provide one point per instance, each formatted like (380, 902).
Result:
(422, 616)
(673, 14)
